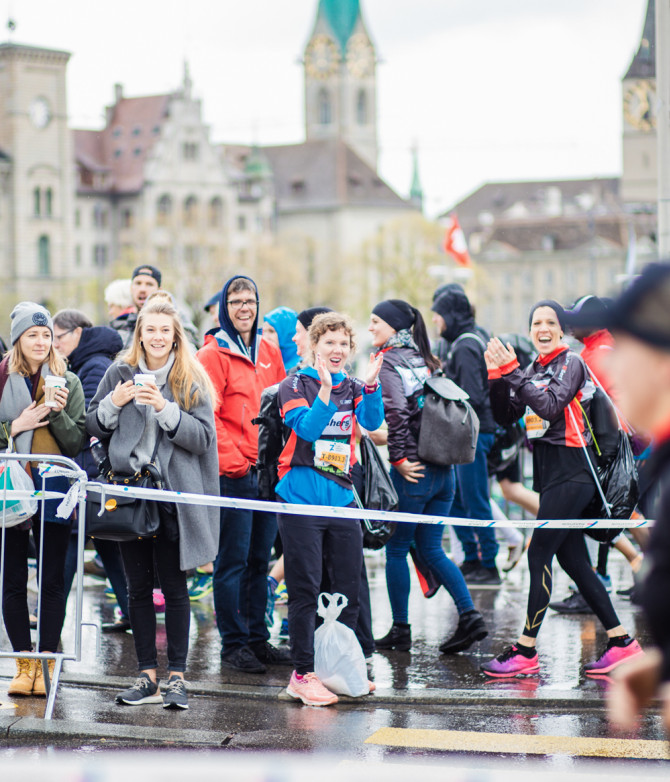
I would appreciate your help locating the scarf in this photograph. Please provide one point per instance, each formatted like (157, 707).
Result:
(401, 339)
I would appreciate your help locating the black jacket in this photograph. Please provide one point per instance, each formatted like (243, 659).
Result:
(656, 584)
(401, 392)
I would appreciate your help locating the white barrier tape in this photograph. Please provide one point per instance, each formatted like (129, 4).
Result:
(185, 498)
(76, 492)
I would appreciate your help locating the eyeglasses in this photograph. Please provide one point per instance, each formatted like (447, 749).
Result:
(62, 334)
(237, 304)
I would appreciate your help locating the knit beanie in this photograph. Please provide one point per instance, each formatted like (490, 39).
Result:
(555, 306)
(27, 314)
(396, 312)
(307, 316)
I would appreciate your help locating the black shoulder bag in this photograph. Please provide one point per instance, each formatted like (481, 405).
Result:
(126, 518)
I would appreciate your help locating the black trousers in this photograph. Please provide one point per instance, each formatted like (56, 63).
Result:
(52, 585)
(141, 558)
(566, 501)
(312, 543)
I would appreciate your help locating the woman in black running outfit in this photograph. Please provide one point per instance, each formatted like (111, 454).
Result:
(551, 394)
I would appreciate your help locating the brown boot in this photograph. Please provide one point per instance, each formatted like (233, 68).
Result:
(22, 683)
(39, 687)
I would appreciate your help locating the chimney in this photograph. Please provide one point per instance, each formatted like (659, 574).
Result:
(118, 92)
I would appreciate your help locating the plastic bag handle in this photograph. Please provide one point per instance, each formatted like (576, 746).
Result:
(337, 602)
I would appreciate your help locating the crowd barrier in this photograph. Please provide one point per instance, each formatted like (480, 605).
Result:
(76, 497)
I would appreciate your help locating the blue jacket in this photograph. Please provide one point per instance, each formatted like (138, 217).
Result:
(283, 320)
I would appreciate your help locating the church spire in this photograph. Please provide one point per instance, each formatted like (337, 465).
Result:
(643, 65)
(415, 190)
(341, 16)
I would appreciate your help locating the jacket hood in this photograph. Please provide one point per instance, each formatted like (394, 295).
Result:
(228, 336)
(454, 306)
(95, 341)
(283, 320)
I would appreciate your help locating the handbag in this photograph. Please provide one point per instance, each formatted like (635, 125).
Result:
(14, 477)
(378, 494)
(126, 518)
(449, 426)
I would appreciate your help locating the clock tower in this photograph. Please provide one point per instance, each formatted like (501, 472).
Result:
(340, 79)
(35, 233)
(639, 183)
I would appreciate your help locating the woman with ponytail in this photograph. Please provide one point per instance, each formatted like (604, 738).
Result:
(399, 332)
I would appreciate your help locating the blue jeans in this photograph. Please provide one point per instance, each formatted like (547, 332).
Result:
(433, 495)
(473, 502)
(241, 567)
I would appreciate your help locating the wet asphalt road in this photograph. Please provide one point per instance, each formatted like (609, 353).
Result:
(422, 696)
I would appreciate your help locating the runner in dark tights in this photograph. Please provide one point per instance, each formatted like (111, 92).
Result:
(553, 391)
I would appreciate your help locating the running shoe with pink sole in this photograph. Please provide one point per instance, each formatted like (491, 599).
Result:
(511, 663)
(613, 656)
(310, 690)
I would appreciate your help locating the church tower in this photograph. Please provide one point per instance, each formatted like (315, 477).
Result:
(340, 79)
(639, 183)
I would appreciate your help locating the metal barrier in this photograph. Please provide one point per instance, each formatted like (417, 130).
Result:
(74, 471)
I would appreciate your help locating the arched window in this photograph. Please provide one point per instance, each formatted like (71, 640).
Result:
(48, 202)
(362, 108)
(37, 202)
(191, 211)
(325, 107)
(163, 209)
(43, 256)
(216, 213)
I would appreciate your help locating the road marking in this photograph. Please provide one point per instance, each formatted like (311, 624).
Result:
(7, 705)
(512, 743)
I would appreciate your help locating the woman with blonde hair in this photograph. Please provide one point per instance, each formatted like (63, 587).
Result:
(37, 426)
(172, 417)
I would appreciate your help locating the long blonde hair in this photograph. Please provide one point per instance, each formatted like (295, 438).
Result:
(19, 363)
(187, 379)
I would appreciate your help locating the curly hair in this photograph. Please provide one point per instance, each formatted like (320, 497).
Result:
(331, 321)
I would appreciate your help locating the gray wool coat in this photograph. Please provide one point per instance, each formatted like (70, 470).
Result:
(187, 457)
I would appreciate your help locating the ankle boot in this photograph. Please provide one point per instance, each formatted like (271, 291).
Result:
(22, 683)
(39, 685)
(471, 628)
(399, 637)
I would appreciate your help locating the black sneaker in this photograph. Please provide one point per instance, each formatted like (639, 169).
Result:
(484, 577)
(399, 637)
(143, 691)
(175, 695)
(471, 628)
(575, 604)
(242, 659)
(271, 655)
(469, 567)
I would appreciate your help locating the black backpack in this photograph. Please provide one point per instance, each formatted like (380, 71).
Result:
(272, 436)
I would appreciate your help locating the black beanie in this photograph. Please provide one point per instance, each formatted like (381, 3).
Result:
(307, 316)
(555, 306)
(396, 312)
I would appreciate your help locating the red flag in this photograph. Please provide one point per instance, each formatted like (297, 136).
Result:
(455, 244)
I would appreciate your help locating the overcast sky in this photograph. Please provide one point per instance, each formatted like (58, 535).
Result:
(489, 89)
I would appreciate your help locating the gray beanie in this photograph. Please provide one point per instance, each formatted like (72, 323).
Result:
(27, 314)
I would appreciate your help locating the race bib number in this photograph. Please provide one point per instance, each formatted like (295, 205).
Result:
(535, 426)
(329, 453)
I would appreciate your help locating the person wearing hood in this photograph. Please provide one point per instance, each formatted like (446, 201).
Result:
(241, 363)
(466, 366)
(279, 327)
(90, 351)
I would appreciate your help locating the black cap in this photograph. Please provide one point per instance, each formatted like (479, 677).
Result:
(587, 312)
(214, 300)
(642, 310)
(149, 271)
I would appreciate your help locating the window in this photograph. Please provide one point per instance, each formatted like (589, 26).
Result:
(191, 211)
(77, 255)
(127, 218)
(43, 256)
(37, 202)
(216, 213)
(362, 108)
(77, 218)
(137, 130)
(163, 210)
(100, 255)
(100, 216)
(191, 254)
(241, 223)
(190, 150)
(324, 107)
(48, 202)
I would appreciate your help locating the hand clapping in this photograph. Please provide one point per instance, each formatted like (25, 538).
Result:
(497, 355)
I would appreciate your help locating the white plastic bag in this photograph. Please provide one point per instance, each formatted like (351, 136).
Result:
(13, 510)
(338, 658)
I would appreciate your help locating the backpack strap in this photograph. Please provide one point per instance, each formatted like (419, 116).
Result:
(461, 337)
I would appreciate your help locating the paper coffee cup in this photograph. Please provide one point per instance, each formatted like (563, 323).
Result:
(51, 383)
(142, 380)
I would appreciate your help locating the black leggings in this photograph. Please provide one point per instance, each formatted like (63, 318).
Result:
(566, 501)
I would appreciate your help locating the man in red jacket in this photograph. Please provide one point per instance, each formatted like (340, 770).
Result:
(241, 364)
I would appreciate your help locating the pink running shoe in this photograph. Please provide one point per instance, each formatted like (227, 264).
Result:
(511, 663)
(371, 687)
(614, 656)
(310, 690)
(159, 601)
